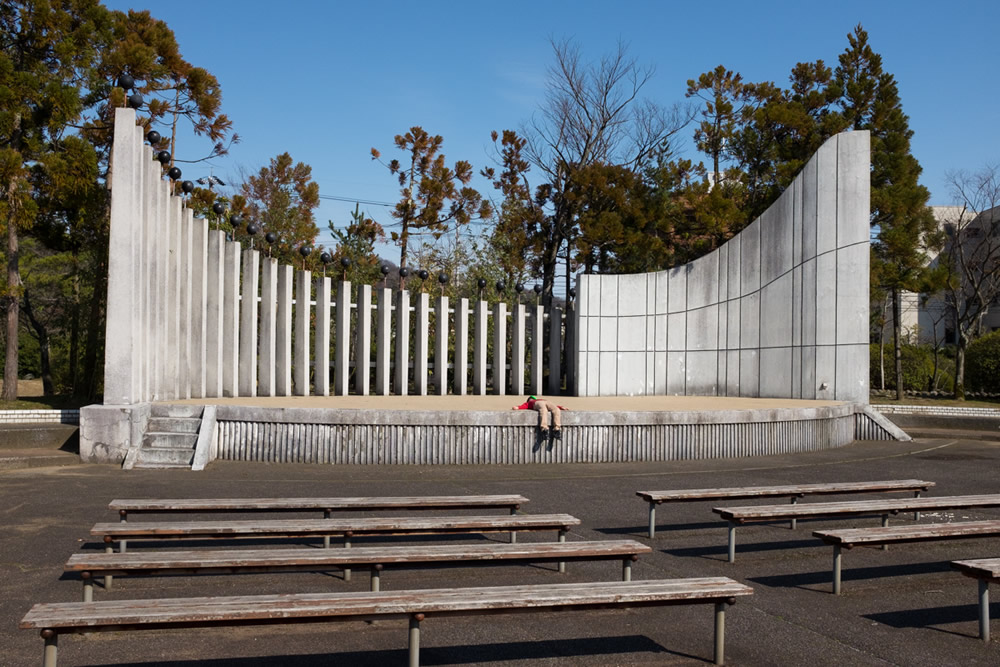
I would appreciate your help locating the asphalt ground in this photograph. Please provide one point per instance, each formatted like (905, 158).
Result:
(904, 606)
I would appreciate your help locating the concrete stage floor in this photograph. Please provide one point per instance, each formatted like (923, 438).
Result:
(493, 403)
(904, 606)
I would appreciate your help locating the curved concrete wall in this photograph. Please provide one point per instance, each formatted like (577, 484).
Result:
(781, 310)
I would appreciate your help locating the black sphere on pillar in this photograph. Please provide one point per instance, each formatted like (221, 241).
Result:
(174, 173)
(163, 157)
(218, 208)
(135, 101)
(270, 237)
(126, 82)
(153, 137)
(187, 187)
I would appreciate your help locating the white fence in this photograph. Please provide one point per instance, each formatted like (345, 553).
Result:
(193, 315)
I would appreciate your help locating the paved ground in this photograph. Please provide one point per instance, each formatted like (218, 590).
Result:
(901, 607)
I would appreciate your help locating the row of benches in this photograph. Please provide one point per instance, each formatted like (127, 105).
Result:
(89, 616)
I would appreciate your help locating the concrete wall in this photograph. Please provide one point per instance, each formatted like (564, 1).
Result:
(781, 310)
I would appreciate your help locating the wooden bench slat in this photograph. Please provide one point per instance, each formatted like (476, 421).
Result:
(238, 609)
(358, 526)
(148, 505)
(785, 490)
(855, 507)
(923, 532)
(226, 559)
(980, 568)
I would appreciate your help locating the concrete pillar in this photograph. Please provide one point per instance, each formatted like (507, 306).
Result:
(383, 342)
(363, 342)
(174, 274)
(321, 341)
(420, 344)
(460, 372)
(150, 183)
(185, 225)
(500, 348)
(342, 364)
(266, 362)
(123, 347)
(402, 369)
(555, 352)
(199, 305)
(231, 321)
(283, 333)
(570, 323)
(479, 335)
(214, 315)
(441, 346)
(300, 359)
(537, 367)
(248, 323)
(517, 351)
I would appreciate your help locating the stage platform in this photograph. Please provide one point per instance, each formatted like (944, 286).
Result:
(366, 430)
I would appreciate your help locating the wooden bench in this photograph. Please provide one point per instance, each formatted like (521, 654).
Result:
(54, 619)
(125, 532)
(737, 516)
(929, 532)
(124, 507)
(792, 491)
(986, 570)
(375, 558)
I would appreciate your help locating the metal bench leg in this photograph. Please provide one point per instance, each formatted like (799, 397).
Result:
(108, 579)
(720, 633)
(652, 519)
(88, 586)
(732, 542)
(836, 569)
(885, 524)
(916, 515)
(347, 545)
(513, 533)
(376, 577)
(415, 639)
(562, 538)
(794, 501)
(984, 610)
(627, 567)
(51, 648)
(326, 538)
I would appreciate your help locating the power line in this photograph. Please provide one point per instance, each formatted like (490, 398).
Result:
(356, 200)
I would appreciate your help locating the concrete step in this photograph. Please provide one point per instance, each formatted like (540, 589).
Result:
(173, 425)
(16, 459)
(42, 436)
(164, 458)
(176, 410)
(155, 440)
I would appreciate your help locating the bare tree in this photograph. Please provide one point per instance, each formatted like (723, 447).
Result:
(591, 113)
(970, 262)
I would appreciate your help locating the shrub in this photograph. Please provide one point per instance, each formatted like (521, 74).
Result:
(918, 367)
(982, 364)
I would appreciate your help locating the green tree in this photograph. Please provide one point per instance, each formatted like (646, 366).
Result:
(906, 227)
(356, 243)
(434, 196)
(47, 51)
(281, 198)
(725, 97)
(593, 113)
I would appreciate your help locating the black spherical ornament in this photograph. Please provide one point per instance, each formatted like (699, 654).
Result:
(218, 208)
(422, 273)
(187, 187)
(345, 262)
(235, 220)
(126, 82)
(305, 250)
(519, 288)
(481, 283)
(501, 286)
(153, 137)
(326, 257)
(572, 292)
(403, 272)
(443, 278)
(135, 101)
(384, 269)
(253, 229)
(163, 157)
(270, 237)
(174, 173)
(538, 289)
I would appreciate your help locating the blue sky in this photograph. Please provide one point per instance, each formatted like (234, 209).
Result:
(327, 81)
